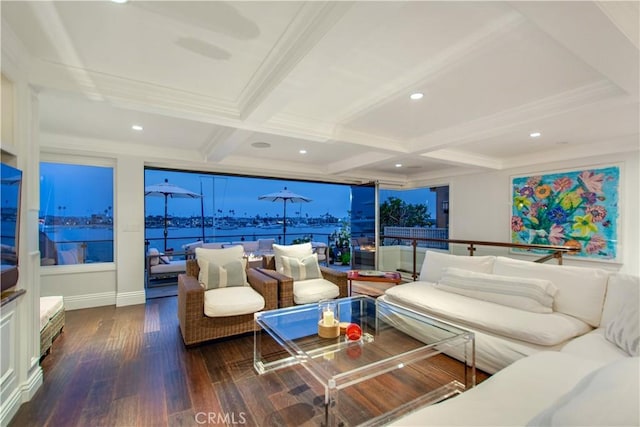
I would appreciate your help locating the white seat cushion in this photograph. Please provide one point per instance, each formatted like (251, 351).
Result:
(232, 301)
(594, 346)
(173, 267)
(606, 397)
(509, 398)
(49, 307)
(313, 290)
(545, 329)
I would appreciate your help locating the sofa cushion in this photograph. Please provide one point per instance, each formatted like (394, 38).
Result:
(435, 262)
(154, 256)
(581, 290)
(511, 397)
(624, 329)
(177, 266)
(620, 288)
(313, 290)
(594, 346)
(296, 251)
(534, 295)
(301, 269)
(544, 329)
(214, 276)
(232, 301)
(608, 396)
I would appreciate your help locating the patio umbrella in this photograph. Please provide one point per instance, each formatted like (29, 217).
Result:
(167, 191)
(286, 196)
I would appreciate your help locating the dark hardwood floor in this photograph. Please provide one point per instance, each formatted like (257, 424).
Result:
(128, 366)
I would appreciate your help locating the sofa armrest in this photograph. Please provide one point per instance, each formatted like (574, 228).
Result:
(190, 300)
(339, 278)
(285, 287)
(265, 286)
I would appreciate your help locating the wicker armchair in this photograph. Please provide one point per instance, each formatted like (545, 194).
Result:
(196, 327)
(285, 283)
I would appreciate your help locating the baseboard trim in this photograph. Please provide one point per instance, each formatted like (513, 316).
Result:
(130, 298)
(21, 394)
(75, 302)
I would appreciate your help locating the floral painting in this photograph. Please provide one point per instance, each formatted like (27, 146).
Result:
(577, 208)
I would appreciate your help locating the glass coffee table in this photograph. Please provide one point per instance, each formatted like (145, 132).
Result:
(394, 341)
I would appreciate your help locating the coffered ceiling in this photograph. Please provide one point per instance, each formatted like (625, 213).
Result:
(209, 79)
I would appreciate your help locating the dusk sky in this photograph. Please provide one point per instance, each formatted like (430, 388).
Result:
(61, 188)
(241, 194)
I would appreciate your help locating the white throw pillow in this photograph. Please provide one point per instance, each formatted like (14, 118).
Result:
(154, 256)
(533, 295)
(218, 257)
(435, 262)
(624, 329)
(581, 290)
(606, 397)
(214, 276)
(299, 251)
(301, 269)
(620, 288)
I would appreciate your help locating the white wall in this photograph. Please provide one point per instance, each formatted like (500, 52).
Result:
(480, 208)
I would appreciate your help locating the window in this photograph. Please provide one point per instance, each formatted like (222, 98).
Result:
(420, 212)
(76, 214)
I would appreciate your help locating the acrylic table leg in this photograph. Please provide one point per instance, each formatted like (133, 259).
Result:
(331, 405)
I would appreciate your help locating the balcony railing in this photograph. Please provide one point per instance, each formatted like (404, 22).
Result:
(555, 252)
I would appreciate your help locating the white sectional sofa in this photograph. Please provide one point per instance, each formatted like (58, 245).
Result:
(576, 365)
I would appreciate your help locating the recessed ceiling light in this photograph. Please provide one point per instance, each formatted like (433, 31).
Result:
(303, 151)
(119, 1)
(535, 134)
(398, 165)
(137, 127)
(416, 96)
(261, 145)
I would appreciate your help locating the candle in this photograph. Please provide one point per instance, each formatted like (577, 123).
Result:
(327, 318)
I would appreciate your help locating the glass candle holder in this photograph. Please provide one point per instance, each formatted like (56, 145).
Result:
(328, 319)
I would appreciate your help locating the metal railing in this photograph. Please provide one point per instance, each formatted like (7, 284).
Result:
(556, 251)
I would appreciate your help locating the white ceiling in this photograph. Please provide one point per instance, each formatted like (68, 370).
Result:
(207, 79)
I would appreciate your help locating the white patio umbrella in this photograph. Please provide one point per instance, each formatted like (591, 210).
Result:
(286, 196)
(167, 191)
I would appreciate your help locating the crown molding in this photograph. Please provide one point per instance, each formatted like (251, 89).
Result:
(625, 15)
(71, 144)
(571, 152)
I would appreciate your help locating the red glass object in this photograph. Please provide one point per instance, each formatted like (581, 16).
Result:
(353, 332)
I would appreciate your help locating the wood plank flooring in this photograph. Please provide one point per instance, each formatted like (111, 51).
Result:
(128, 366)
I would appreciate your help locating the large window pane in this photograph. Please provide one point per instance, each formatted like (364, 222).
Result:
(76, 214)
(417, 213)
(232, 209)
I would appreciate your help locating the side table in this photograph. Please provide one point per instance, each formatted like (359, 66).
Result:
(371, 283)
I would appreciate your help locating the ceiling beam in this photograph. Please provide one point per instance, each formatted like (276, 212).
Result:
(462, 158)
